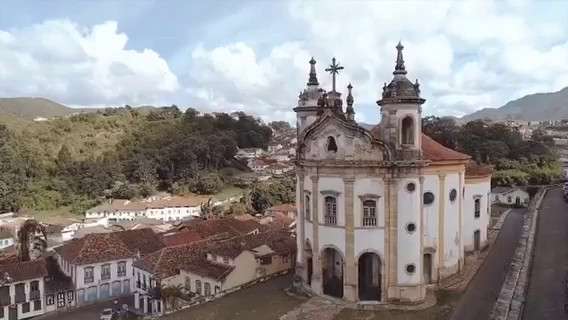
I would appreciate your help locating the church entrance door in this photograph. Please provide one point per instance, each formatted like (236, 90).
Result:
(369, 277)
(476, 240)
(332, 273)
(427, 268)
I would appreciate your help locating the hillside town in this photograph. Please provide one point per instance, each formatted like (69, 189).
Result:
(283, 160)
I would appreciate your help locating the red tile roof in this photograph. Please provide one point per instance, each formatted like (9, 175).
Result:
(287, 207)
(181, 238)
(431, 149)
(207, 228)
(280, 242)
(20, 271)
(94, 248)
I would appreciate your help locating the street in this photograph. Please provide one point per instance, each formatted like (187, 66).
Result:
(477, 301)
(90, 312)
(547, 285)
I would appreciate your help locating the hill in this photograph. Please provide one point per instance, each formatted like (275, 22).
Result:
(31, 108)
(536, 107)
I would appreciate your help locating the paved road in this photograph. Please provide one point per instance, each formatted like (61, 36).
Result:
(265, 301)
(549, 275)
(90, 312)
(477, 301)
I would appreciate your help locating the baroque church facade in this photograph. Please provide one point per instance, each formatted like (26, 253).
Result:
(385, 212)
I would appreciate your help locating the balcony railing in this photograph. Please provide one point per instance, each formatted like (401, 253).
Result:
(121, 274)
(34, 295)
(89, 280)
(105, 276)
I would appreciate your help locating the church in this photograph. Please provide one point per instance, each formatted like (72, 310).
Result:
(386, 212)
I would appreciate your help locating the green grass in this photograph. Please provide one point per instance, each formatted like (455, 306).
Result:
(229, 192)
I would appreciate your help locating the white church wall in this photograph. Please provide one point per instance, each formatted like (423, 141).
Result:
(471, 223)
(432, 211)
(368, 186)
(370, 240)
(299, 239)
(451, 220)
(331, 237)
(309, 229)
(408, 242)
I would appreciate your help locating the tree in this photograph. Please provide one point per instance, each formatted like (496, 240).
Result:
(31, 240)
(279, 125)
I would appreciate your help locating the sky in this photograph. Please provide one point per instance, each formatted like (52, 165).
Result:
(223, 55)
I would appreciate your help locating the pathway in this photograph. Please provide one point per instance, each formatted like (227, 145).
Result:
(547, 291)
(482, 292)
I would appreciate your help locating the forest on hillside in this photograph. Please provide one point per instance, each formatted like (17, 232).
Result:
(517, 162)
(79, 160)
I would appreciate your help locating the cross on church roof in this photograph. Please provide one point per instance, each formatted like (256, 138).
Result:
(334, 68)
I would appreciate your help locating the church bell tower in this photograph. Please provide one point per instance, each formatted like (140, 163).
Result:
(401, 111)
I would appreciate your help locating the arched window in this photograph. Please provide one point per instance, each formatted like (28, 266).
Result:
(307, 208)
(407, 130)
(330, 210)
(331, 145)
(369, 213)
(477, 207)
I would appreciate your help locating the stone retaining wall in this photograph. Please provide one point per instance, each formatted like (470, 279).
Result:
(510, 302)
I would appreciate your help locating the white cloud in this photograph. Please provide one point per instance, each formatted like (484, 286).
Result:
(467, 54)
(74, 65)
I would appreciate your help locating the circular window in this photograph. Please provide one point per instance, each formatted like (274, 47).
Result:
(411, 187)
(410, 227)
(453, 195)
(428, 198)
(410, 268)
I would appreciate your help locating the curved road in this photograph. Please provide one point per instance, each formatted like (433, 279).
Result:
(547, 291)
(483, 290)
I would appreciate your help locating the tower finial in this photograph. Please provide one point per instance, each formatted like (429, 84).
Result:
(313, 80)
(399, 67)
(350, 112)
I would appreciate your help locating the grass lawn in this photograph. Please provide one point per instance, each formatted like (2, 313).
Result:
(229, 193)
(52, 216)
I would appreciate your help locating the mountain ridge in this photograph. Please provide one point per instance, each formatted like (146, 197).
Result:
(532, 107)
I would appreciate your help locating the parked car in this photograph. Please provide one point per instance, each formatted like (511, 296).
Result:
(107, 314)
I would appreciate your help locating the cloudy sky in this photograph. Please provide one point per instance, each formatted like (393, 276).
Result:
(253, 55)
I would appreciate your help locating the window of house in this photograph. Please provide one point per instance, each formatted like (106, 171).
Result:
(369, 213)
(307, 205)
(34, 290)
(70, 295)
(284, 259)
(453, 195)
(217, 289)
(105, 272)
(187, 283)
(207, 289)
(1, 312)
(477, 207)
(89, 275)
(5, 299)
(226, 260)
(20, 293)
(121, 269)
(49, 300)
(37, 305)
(509, 199)
(26, 307)
(330, 210)
(497, 197)
(138, 283)
(331, 145)
(198, 286)
(265, 260)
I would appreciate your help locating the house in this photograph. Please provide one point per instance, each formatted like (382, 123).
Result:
(278, 169)
(209, 268)
(257, 165)
(6, 237)
(169, 208)
(247, 153)
(100, 265)
(59, 288)
(22, 296)
(288, 209)
(511, 196)
(274, 147)
(251, 177)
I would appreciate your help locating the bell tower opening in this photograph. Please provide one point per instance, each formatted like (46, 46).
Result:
(407, 131)
(331, 145)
